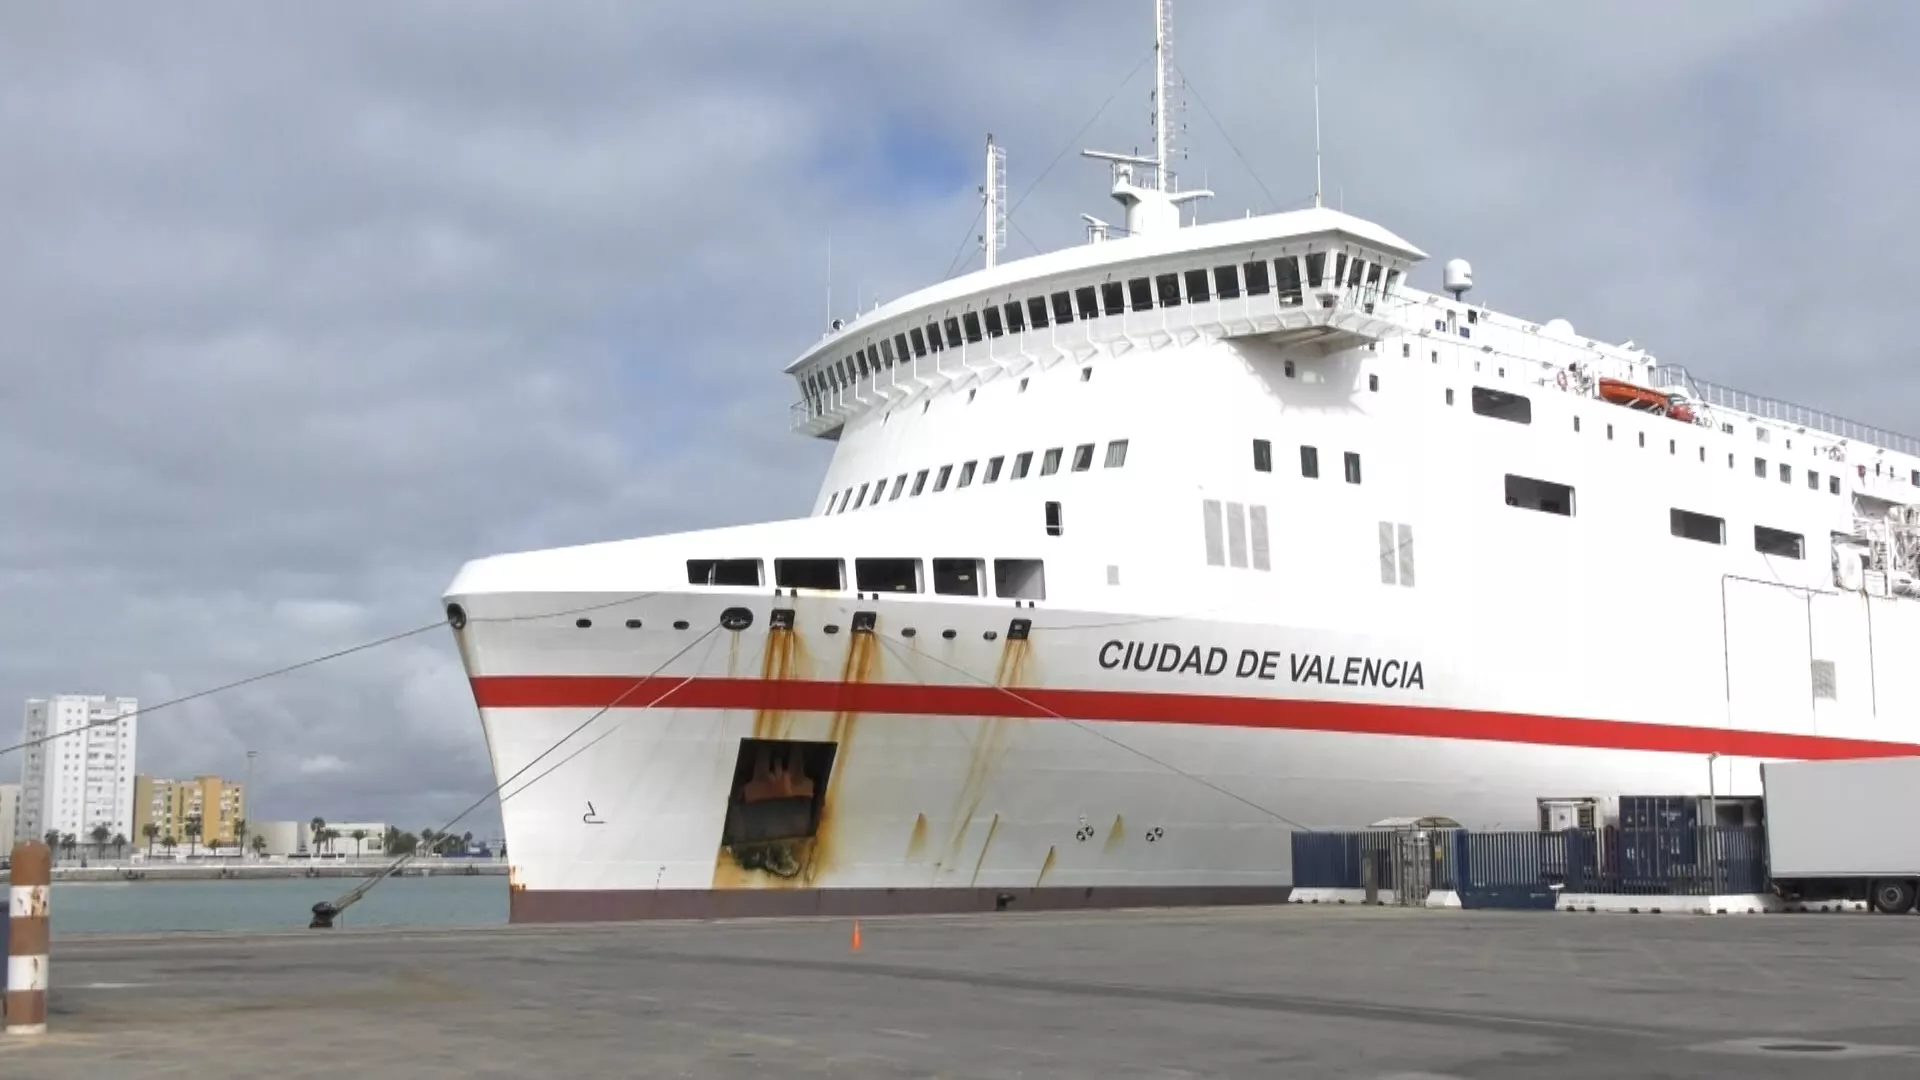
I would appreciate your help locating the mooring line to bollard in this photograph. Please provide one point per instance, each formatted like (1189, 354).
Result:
(28, 931)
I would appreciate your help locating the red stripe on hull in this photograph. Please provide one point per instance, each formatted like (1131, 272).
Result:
(1419, 721)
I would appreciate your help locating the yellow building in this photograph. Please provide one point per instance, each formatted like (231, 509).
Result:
(168, 804)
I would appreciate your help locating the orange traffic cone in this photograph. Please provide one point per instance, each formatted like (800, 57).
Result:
(856, 936)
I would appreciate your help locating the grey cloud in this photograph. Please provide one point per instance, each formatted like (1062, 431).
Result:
(301, 310)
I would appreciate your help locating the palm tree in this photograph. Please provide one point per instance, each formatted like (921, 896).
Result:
(150, 831)
(100, 835)
(169, 843)
(259, 844)
(53, 839)
(68, 843)
(119, 844)
(193, 835)
(319, 826)
(359, 838)
(427, 837)
(240, 833)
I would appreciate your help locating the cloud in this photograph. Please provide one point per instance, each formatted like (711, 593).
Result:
(300, 312)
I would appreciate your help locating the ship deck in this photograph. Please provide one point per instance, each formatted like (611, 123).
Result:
(1286, 991)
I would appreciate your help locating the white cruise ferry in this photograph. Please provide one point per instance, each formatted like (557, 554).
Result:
(1136, 557)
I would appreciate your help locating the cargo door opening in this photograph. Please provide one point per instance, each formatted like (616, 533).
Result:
(775, 803)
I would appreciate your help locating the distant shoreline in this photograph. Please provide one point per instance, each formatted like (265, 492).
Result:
(267, 871)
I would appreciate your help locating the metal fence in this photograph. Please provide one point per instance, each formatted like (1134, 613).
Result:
(1686, 861)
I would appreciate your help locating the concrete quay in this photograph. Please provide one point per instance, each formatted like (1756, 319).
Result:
(1293, 991)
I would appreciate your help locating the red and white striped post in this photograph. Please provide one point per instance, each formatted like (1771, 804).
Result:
(27, 936)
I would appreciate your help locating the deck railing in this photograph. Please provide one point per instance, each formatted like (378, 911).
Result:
(1726, 397)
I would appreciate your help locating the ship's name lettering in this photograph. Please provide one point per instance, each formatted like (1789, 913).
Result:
(1326, 669)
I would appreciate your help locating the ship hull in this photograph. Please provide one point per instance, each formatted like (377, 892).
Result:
(1073, 761)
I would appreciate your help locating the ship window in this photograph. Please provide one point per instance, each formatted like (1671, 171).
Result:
(1786, 473)
(1373, 281)
(1316, 269)
(1167, 287)
(886, 352)
(1542, 495)
(919, 481)
(899, 485)
(1354, 271)
(1112, 298)
(956, 577)
(1501, 405)
(1916, 478)
(1576, 423)
(993, 469)
(1256, 278)
(1020, 579)
(1373, 382)
(1673, 446)
(1833, 485)
(1288, 267)
(887, 575)
(952, 325)
(831, 499)
(1016, 318)
(1702, 527)
(1262, 456)
(734, 572)
(1140, 290)
(1116, 454)
(810, 573)
(1353, 467)
(900, 347)
(1197, 294)
(1083, 457)
(1339, 268)
(1226, 281)
(1287, 369)
(1050, 464)
(879, 489)
(1257, 528)
(1760, 468)
(972, 324)
(1643, 440)
(1213, 532)
(991, 317)
(1813, 480)
(1083, 303)
(846, 499)
(860, 363)
(1021, 463)
(1310, 462)
(860, 500)
(1778, 542)
(1037, 310)
(919, 342)
(966, 474)
(1054, 525)
(934, 343)
(940, 480)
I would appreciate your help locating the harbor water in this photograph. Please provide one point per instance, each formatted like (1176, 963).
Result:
(278, 904)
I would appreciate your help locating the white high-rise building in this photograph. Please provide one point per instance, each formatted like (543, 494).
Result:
(9, 817)
(84, 777)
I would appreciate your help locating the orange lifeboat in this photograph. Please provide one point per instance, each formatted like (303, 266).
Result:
(1634, 397)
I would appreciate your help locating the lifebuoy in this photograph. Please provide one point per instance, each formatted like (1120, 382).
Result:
(1562, 380)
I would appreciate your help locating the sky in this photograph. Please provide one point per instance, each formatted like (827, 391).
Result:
(300, 308)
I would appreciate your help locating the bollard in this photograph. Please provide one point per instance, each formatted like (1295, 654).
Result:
(27, 933)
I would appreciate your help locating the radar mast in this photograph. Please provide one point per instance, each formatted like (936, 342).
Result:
(1155, 208)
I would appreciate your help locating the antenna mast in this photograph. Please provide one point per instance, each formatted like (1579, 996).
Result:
(1316, 108)
(1162, 40)
(995, 194)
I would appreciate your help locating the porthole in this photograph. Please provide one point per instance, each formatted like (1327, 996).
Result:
(908, 632)
(949, 634)
(456, 616)
(991, 635)
(736, 619)
(584, 624)
(633, 624)
(833, 628)
(679, 624)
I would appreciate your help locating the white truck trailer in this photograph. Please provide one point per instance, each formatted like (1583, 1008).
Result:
(1844, 830)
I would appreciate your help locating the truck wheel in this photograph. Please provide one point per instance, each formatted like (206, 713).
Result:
(1893, 896)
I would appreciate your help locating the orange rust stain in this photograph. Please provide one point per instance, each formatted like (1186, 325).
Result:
(1113, 837)
(777, 663)
(1015, 658)
(917, 842)
(1044, 867)
(798, 863)
(514, 884)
